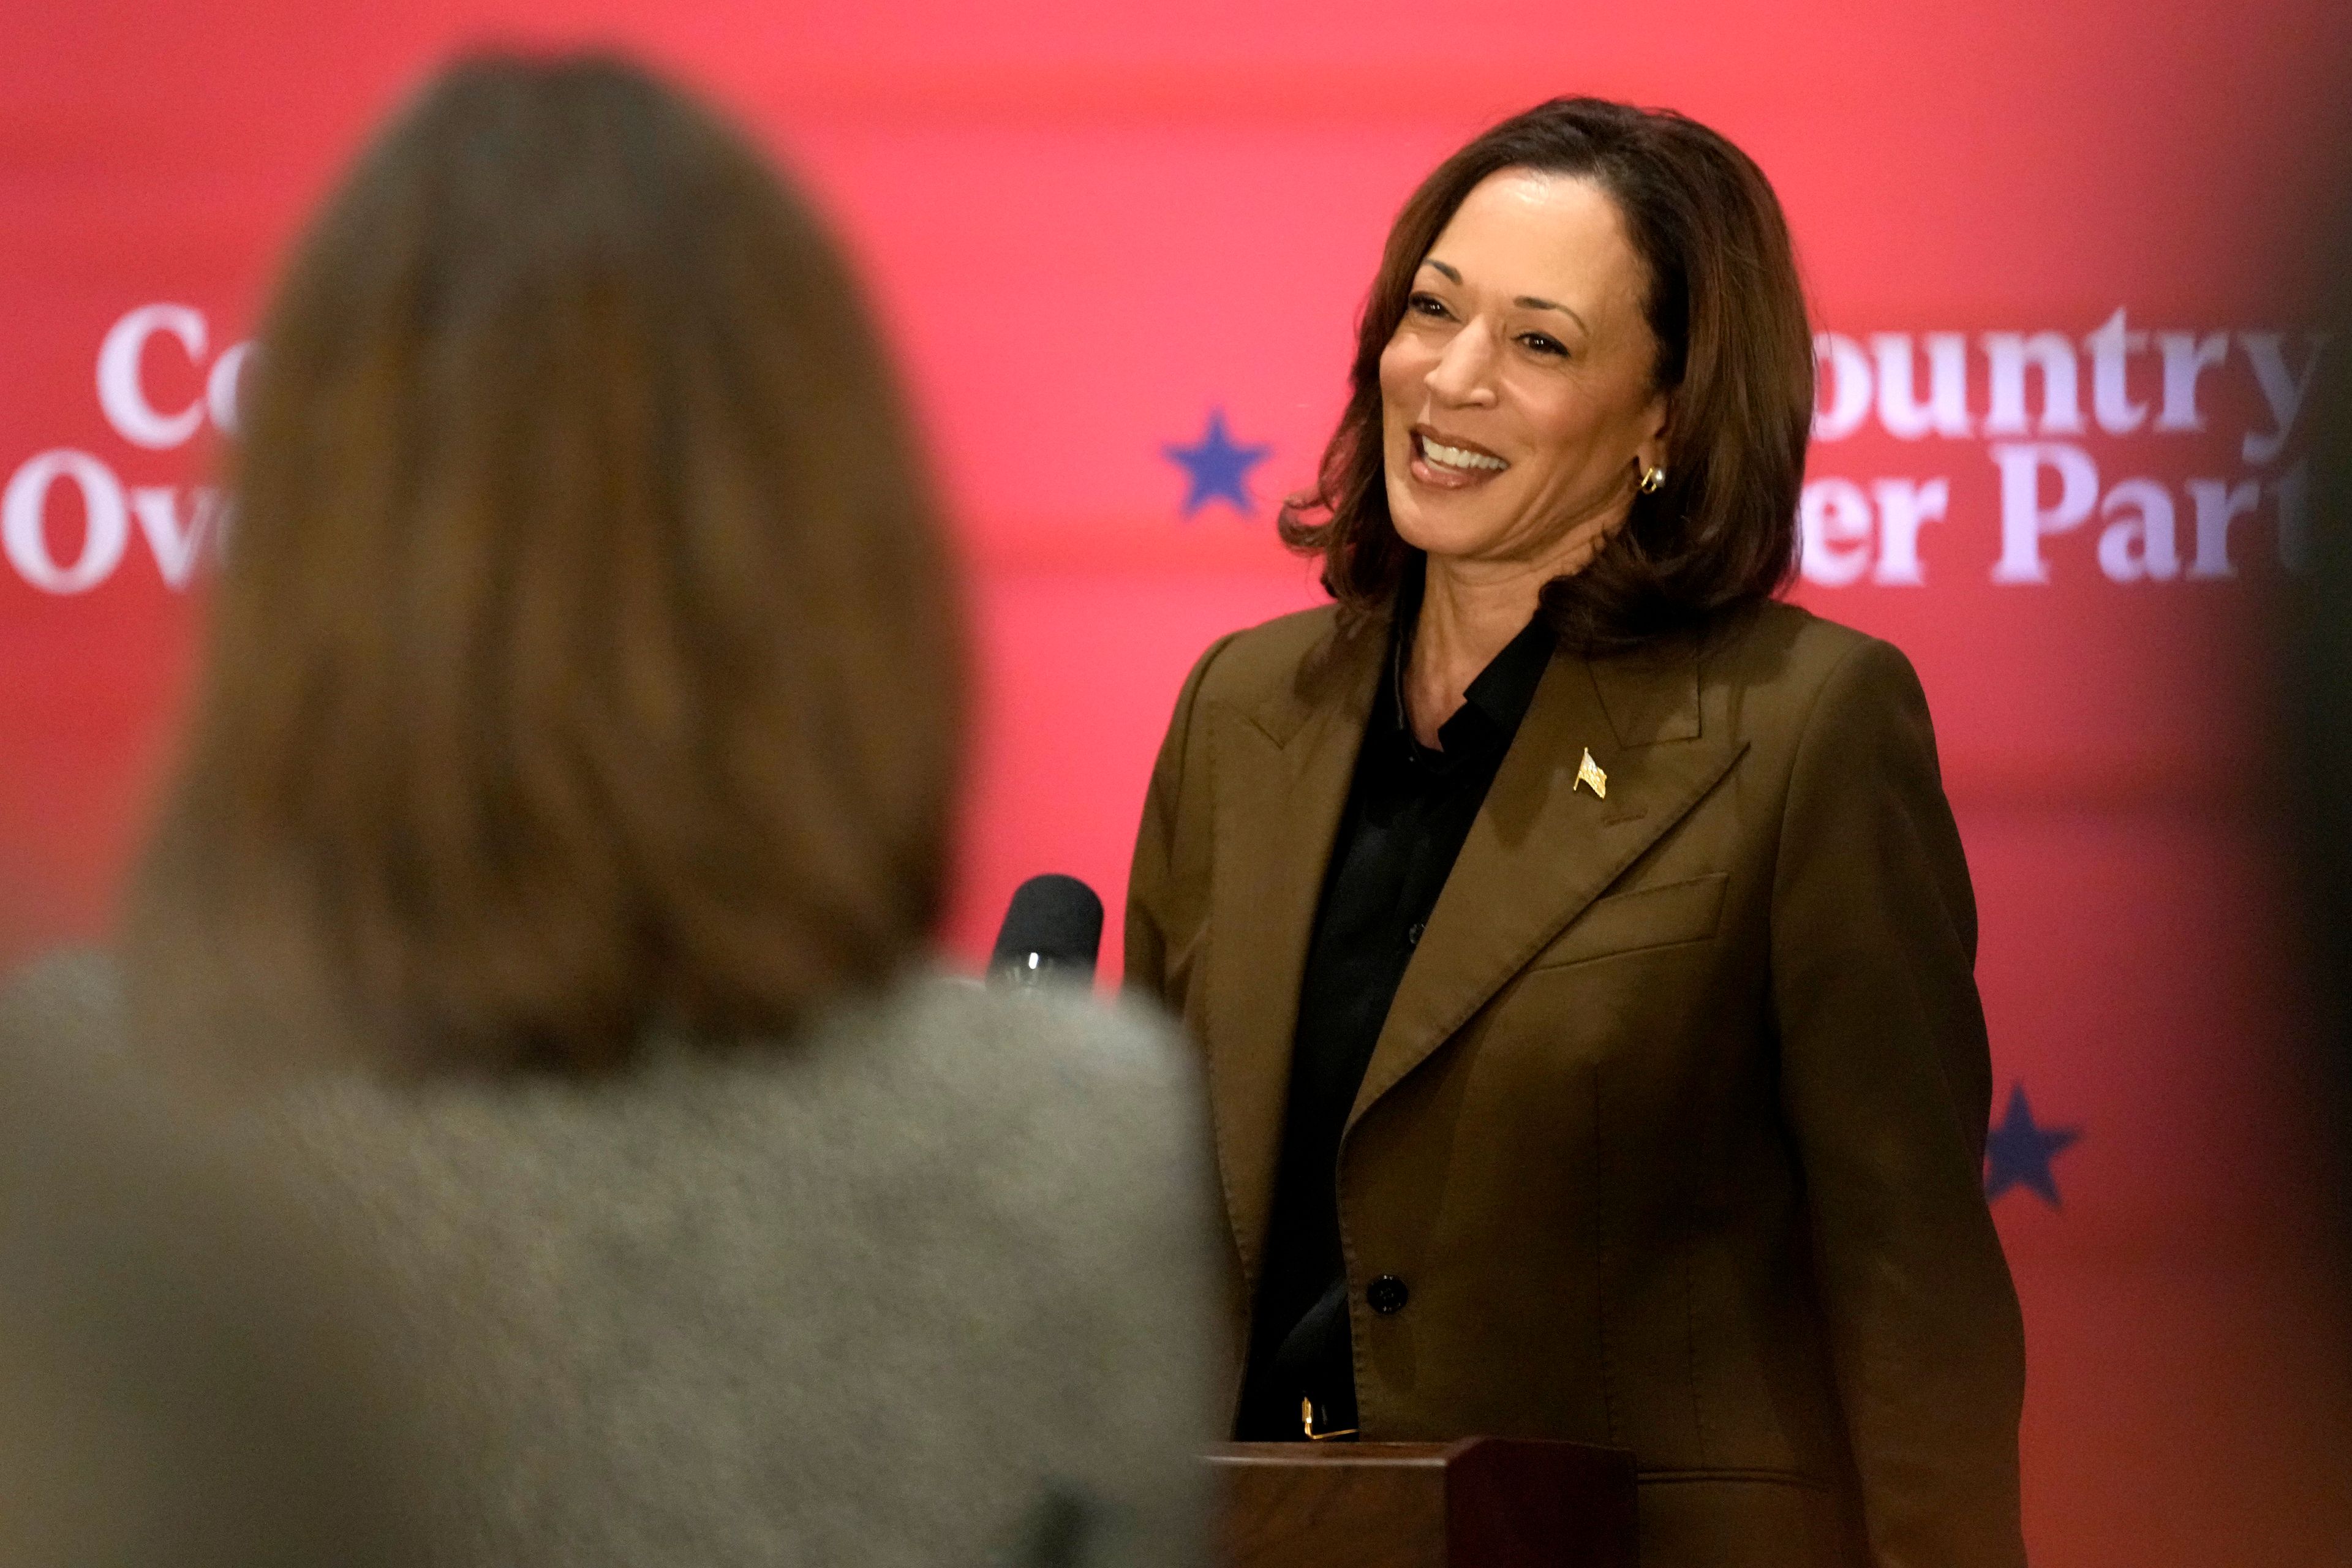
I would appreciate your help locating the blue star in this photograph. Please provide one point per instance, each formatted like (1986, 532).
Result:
(1217, 470)
(2019, 1151)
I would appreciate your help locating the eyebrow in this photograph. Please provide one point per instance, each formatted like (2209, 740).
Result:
(1529, 302)
(1525, 301)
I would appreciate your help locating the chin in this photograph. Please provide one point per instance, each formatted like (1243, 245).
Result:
(1439, 536)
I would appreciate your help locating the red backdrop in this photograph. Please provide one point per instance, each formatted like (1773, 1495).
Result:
(2051, 252)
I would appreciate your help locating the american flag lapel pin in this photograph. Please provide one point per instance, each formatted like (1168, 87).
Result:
(1588, 773)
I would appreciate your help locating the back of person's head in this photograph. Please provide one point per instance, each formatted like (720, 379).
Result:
(586, 651)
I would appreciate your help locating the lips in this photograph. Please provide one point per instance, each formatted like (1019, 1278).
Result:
(1448, 462)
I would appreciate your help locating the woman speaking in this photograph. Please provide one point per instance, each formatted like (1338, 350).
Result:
(1580, 938)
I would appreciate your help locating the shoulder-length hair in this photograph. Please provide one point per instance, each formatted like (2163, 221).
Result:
(587, 654)
(1735, 357)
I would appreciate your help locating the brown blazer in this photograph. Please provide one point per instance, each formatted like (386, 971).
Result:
(1675, 1130)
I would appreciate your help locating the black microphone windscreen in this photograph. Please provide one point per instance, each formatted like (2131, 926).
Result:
(1052, 927)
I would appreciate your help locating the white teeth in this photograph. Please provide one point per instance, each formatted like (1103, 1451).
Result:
(1456, 458)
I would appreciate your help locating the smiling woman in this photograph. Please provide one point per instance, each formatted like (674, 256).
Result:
(1580, 940)
(1619, 265)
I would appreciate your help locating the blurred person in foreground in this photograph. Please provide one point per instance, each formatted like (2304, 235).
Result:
(2312, 627)
(566, 811)
(184, 1372)
(1581, 938)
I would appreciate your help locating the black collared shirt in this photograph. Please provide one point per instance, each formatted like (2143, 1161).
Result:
(1409, 810)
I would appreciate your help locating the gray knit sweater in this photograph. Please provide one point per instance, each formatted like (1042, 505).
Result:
(930, 1283)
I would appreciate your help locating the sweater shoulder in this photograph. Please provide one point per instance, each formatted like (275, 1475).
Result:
(936, 1075)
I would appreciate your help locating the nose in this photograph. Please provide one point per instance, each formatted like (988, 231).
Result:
(1464, 374)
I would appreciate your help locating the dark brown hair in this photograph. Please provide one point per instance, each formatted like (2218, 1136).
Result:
(1735, 357)
(587, 654)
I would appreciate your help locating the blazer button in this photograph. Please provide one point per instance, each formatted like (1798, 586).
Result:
(1386, 1295)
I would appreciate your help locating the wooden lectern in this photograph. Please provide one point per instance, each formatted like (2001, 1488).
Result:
(1481, 1502)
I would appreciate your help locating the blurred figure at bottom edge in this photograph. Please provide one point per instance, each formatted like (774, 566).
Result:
(555, 852)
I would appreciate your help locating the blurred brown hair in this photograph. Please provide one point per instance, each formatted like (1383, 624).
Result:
(1734, 356)
(586, 653)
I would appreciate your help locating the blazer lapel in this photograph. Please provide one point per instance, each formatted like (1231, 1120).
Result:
(1540, 850)
(1281, 779)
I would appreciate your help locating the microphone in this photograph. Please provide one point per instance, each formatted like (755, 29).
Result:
(1052, 931)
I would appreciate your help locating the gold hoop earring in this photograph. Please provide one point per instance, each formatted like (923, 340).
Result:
(1654, 479)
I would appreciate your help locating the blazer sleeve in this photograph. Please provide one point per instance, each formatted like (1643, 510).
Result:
(1152, 888)
(1887, 1085)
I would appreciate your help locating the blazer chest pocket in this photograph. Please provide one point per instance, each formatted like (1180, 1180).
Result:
(1640, 919)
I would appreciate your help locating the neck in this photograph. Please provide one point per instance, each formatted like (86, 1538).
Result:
(1469, 613)
(1471, 609)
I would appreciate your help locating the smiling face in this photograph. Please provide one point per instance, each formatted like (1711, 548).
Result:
(1516, 397)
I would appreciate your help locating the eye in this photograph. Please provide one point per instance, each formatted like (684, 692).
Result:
(1543, 343)
(1428, 305)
